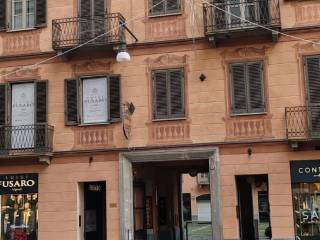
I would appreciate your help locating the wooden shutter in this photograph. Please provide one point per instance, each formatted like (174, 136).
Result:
(85, 8)
(160, 94)
(176, 93)
(114, 97)
(238, 88)
(41, 13)
(41, 101)
(3, 104)
(3, 22)
(312, 71)
(256, 90)
(173, 6)
(157, 7)
(71, 102)
(99, 7)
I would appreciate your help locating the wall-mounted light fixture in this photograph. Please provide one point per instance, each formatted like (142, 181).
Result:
(202, 77)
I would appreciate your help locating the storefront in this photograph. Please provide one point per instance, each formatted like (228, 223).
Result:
(305, 177)
(19, 206)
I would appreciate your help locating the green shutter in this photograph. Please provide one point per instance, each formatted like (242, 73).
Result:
(160, 94)
(99, 7)
(71, 102)
(176, 101)
(3, 104)
(312, 72)
(41, 13)
(157, 7)
(255, 87)
(173, 6)
(85, 8)
(3, 21)
(41, 101)
(238, 88)
(114, 98)
(219, 15)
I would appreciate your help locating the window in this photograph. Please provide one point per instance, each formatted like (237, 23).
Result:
(168, 94)
(247, 88)
(23, 114)
(166, 7)
(92, 100)
(22, 14)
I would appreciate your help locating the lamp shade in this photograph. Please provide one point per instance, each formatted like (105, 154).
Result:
(123, 56)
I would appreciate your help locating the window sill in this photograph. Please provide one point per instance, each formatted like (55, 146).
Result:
(168, 119)
(247, 114)
(21, 30)
(165, 15)
(93, 124)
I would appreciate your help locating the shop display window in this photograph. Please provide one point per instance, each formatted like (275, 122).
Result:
(306, 204)
(19, 217)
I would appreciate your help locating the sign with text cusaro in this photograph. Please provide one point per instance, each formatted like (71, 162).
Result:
(19, 183)
(305, 171)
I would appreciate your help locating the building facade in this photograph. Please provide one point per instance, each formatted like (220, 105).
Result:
(92, 148)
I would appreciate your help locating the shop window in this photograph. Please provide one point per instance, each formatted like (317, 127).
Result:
(22, 14)
(166, 7)
(168, 94)
(306, 203)
(19, 207)
(247, 88)
(93, 100)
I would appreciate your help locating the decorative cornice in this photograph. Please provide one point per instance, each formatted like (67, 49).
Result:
(20, 74)
(244, 52)
(167, 60)
(307, 47)
(92, 67)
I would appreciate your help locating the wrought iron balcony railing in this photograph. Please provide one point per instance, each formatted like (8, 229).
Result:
(232, 15)
(303, 122)
(71, 32)
(34, 139)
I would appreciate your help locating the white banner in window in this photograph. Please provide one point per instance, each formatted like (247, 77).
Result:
(22, 114)
(95, 100)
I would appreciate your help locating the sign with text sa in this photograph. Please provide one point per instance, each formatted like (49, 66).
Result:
(19, 183)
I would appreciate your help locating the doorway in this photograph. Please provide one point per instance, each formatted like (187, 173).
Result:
(253, 207)
(94, 211)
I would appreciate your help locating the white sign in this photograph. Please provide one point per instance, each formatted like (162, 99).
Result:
(22, 114)
(95, 100)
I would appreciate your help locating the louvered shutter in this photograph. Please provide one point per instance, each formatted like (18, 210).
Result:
(3, 104)
(176, 93)
(173, 6)
(85, 8)
(160, 94)
(115, 99)
(41, 134)
(264, 12)
(238, 85)
(41, 13)
(157, 7)
(3, 15)
(256, 89)
(99, 7)
(71, 102)
(312, 71)
(41, 101)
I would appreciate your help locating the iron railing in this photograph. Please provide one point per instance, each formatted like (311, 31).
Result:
(228, 15)
(303, 122)
(29, 139)
(71, 32)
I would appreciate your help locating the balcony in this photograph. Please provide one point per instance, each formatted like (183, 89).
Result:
(227, 20)
(68, 33)
(303, 123)
(26, 140)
